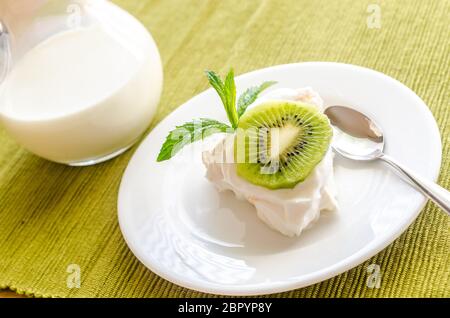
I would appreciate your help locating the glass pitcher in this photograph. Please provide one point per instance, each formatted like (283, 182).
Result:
(80, 80)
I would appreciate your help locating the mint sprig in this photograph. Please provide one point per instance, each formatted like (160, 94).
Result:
(227, 93)
(188, 133)
(250, 95)
(201, 128)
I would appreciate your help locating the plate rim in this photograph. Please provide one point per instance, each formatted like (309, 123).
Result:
(338, 268)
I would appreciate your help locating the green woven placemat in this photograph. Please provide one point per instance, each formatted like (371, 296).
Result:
(52, 216)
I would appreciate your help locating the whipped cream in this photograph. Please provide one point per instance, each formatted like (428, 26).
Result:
(288, 211)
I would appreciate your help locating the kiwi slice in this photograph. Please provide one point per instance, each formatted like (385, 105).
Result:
(279, 143)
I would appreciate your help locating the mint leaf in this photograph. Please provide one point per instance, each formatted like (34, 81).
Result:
(215, 81)
(199, 129)
(250, 95)
(230, 91)
(188, 133)
(227, 93)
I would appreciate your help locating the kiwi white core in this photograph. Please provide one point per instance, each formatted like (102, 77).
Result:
(282, 138)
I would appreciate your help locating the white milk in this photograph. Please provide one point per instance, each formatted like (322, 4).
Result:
(83, 94)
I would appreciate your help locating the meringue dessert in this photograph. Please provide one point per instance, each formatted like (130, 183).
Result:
(274, 153)
(288, 211)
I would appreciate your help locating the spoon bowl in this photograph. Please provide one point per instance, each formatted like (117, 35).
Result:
(357, 137)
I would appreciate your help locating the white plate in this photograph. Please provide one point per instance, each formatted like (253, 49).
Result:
(183, 230)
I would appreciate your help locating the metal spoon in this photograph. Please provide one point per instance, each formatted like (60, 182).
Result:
(357, 137)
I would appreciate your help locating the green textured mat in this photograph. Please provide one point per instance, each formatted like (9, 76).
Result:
(52, 216)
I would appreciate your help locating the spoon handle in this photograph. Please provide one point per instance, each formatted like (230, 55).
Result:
(432, 190)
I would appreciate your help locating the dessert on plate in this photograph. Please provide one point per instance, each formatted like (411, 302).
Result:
(275, 153)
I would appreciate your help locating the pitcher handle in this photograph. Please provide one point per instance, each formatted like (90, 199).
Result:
(5, 51)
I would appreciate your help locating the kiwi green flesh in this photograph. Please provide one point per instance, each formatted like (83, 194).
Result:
(304, 136)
